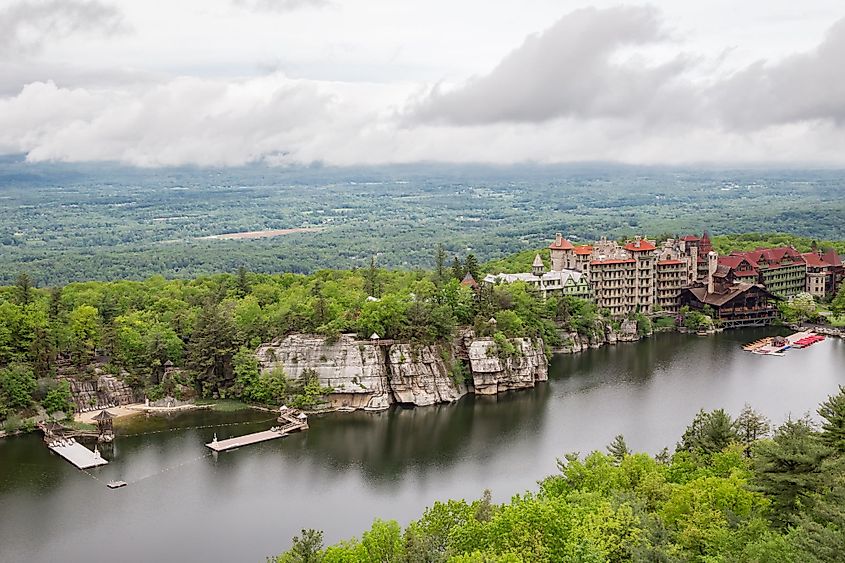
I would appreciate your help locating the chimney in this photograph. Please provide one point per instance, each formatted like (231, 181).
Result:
(712, 263)
(558, 239)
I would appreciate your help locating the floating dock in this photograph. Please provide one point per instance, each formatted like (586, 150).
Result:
(777, 346)
(249, 439)
(77, 454)
(292, 420)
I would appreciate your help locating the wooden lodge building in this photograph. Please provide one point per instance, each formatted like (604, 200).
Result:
(733, 305)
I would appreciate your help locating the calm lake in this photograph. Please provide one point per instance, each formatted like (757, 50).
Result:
(183, 504)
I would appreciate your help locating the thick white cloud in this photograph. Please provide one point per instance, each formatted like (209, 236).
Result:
(570, 70)
(596, 85)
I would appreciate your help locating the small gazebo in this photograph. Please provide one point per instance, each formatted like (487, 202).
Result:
(105, 429)
(52, 431)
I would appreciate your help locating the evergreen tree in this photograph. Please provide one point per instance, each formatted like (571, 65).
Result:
(820, 533)
(371, 283)
(788, 467)
(457, 269)
(212, 346)
(618, 448)
(710, 432)
(833, 427)
(23, 289)
(306, 548)
(440, 264)
(471, 266)
(242, 283)
(55, 307)
(751, 426)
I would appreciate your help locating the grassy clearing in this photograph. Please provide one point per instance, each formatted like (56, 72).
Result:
(224, 405)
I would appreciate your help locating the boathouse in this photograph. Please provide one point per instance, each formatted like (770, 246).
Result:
(733, 305)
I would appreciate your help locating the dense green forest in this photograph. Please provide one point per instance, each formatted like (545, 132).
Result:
(733, 491)
(210, 325)
(78, 222)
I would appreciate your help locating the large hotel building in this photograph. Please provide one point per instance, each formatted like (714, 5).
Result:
(643, 276)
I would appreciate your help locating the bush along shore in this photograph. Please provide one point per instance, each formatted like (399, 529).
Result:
(361, 338)
(734, 490)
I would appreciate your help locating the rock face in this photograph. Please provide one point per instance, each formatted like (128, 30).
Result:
(572, 342)
(105, 390)
(366, 375)
(420, 375)
(492, 374)
(355, 370)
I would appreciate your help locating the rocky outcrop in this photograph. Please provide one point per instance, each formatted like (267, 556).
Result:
(371, 375)
(105, 390)
(493, 373)
(355, 369)
(602, 334)
(422, 375)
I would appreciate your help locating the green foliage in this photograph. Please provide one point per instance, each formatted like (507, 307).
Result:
(833, 428)
(17, 384)
(710, 432)
(788, 468)
(704, 505)
(801, 307)
(59, 399)
(618, 449)
(723, 244)
(306, 548)
(311, 393)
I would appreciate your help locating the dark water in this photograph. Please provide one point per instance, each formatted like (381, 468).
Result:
(349, 468)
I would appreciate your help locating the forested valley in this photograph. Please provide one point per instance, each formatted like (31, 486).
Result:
(76, 222)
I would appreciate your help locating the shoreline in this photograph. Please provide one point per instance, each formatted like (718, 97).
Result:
(133, 409)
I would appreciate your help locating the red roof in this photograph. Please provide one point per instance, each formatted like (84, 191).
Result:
(639, 246)
(584, 250)
(564, 245)
(669, 262)
(469, 281)
(771, 257)
(813, 259)
(690, 238)
(832, 258)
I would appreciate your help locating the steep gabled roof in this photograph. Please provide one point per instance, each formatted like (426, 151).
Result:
(832, 258)
(469, 281)
(719, 298)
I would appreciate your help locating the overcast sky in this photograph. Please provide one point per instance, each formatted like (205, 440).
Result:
(226, 82)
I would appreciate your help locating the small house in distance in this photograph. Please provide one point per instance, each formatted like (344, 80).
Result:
(733, 305)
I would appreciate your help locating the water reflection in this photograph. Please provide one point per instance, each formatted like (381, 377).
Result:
(351, 467)
(385, 446)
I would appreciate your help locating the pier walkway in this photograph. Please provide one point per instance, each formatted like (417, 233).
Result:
(292, 420)
(77, 454)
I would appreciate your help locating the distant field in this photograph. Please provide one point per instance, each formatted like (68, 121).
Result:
(263, 234)
(76, 222)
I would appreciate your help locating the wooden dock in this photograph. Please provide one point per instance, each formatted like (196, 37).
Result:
(249, 439)
(77, 454)
(292, 421)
